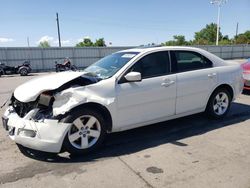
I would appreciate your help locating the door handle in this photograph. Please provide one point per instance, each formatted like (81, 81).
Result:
(212, 75)
(167, 83)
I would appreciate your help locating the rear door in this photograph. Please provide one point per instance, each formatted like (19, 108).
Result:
(196, 77)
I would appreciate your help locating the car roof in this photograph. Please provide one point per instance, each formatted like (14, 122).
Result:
(142, 50)
(149, 49)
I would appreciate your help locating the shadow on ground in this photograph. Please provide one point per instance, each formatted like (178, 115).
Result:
(246, 92)
(16, 75)
(135, 140)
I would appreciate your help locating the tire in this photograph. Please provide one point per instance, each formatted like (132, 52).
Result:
(57, 68)
(23, 72)
(219, 104)
(73, 68)
(1, 73)
(87, 132)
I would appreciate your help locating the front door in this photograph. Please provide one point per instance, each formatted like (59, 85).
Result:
(151, 99)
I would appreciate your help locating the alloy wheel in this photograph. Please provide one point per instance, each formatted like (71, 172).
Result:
(84, 132)
(221, 103)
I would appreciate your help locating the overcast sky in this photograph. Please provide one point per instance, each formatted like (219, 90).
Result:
(129, 23)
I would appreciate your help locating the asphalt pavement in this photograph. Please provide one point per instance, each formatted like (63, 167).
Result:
(188, 152)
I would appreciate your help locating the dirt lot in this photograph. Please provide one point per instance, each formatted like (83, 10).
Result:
(188, 152)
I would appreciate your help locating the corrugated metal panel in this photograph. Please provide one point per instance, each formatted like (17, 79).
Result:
(44, 58)
(214, 49)
(86, 52)
(3, 55)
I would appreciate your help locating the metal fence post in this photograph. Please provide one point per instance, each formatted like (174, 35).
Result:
(221, 52)
(6, 56)
(99, 53)
(42, 53)
(243, 51)
(73, 56)
(232, 50)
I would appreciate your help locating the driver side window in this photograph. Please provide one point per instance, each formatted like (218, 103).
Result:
(152, 65)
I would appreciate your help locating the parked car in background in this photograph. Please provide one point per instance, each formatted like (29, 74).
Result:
(246, 74)
(74, 111)
(23, 69)
(65, 66)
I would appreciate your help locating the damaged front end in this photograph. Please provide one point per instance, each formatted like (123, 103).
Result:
(44, 102)
(43, 106)
(33, 123)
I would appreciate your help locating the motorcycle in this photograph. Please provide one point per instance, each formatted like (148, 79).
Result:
(65, 66)
(23, 69)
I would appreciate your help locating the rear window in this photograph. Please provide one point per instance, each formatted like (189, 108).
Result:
(188, 61)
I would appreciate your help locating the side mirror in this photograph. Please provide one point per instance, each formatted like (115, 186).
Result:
(133, 77)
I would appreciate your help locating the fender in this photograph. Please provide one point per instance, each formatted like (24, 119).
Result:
(221, 85)
(72, 97)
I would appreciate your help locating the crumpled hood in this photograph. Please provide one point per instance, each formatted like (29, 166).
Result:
(30, 90)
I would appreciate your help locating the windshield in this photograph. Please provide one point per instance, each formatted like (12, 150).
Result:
(109, 65)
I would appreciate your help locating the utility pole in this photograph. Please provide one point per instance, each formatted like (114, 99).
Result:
(58, 30)
(237, 29)
(28, 41)
(219, 3)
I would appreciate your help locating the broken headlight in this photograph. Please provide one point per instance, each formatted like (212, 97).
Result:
(46, 99)
(45, 102)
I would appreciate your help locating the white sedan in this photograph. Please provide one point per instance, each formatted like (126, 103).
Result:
(74, 111)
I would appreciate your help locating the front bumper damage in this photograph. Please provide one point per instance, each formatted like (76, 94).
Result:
(46, 135)
(36, 108)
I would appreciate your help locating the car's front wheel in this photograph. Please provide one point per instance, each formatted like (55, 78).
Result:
(219, 103)
(86, 133)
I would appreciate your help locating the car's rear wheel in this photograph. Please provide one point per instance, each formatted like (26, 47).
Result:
(86, 133)
(23, 72)
(219, 103)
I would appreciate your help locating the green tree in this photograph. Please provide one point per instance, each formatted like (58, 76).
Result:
(100, 42)
(243, 38)
(225, 40)
(207, 35)
(179, 40)
(85, 43)
(247, 33)
(44, 44)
